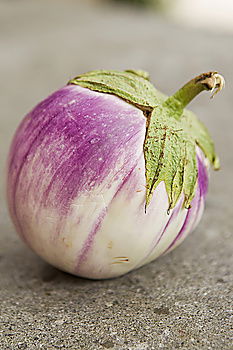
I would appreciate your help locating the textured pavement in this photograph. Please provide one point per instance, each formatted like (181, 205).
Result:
(180, 301)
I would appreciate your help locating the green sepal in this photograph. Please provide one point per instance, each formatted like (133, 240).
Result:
(172, 132)
(132, 86)
(170, 156)
(201, 136)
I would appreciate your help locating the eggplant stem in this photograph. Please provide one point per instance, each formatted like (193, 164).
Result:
(211, 81)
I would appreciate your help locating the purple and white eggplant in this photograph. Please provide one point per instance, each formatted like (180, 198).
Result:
(107, 173)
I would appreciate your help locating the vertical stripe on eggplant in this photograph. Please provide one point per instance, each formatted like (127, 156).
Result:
(202, 176)
(190, 220)
(158, 235)
(88, 243)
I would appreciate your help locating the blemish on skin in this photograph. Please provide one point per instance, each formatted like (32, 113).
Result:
(51, 218)
(67, 243)
(120, 260)
(71, 102)
(139, 191)
(110, 244)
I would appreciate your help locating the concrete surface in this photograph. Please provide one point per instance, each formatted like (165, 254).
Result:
(184, 299)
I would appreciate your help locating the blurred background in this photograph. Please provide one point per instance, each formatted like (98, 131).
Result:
(212, 14)
(43, 44)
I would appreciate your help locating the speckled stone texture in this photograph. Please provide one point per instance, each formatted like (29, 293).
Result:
(182, 300)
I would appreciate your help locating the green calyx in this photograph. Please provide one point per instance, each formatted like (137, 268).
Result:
(172, 132)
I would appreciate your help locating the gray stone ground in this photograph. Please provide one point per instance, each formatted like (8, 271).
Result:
(182, 300)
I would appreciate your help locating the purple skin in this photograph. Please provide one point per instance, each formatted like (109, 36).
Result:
(51, 163)
(68, 131)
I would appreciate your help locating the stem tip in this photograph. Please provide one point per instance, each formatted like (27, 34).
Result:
(211, 81)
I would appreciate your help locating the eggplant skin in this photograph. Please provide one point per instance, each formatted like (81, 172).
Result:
(76, 186)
